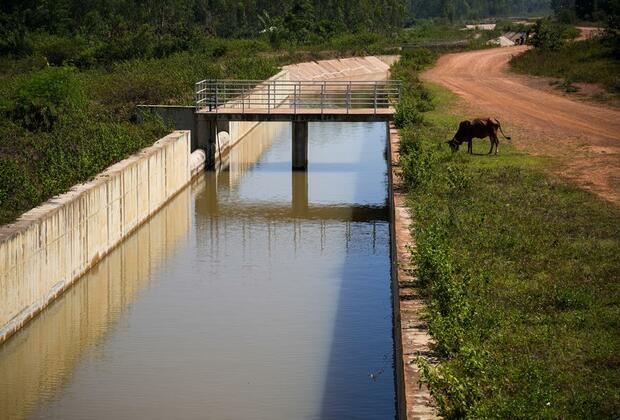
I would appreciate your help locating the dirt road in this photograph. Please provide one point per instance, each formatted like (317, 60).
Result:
(585, 136)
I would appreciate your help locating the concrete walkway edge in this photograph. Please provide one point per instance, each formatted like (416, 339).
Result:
(411, 336)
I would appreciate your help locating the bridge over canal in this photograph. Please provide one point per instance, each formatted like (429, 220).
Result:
(220, 101)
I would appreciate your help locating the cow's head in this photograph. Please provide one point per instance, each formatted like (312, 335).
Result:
(454, 144)
(461, 135)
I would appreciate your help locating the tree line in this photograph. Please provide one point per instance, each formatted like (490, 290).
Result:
(173, 23)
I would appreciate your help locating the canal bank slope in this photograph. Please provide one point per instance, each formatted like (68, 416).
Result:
(411, 332)
(52, 245)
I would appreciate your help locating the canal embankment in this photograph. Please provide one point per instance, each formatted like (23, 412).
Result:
(51, 246)
(411, 336)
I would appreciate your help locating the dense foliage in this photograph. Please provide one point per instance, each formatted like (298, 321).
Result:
(523, 302)
(458, 10)
(569, 11)
(86, 32)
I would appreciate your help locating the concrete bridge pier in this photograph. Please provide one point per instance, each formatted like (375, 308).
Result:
(300, 145)
(206, 137)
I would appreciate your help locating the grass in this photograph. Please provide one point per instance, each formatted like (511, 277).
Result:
(591, 61)
(521, 271)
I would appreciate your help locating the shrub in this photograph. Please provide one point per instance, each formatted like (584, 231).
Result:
(58, 50)
(548, 35)
(407, 113)
(47, 96)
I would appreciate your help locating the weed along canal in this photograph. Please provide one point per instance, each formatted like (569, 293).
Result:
(256, 293)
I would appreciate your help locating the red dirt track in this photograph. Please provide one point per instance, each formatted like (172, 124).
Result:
(585, 136)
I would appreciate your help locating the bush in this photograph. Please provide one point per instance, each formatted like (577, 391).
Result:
(46, 97)
(407, 113)
(58, 50)
(548, 35)
(551, 36)
(416, 98)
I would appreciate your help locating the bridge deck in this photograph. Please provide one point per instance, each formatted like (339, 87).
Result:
(299, 114)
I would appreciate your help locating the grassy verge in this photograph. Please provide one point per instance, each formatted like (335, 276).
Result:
(591, 61)
(521, 271)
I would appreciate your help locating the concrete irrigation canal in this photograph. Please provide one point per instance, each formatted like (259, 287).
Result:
(255, 291)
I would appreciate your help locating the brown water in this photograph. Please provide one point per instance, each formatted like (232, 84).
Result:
(257, 293)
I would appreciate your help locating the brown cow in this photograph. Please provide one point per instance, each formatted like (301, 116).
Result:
(479, 129)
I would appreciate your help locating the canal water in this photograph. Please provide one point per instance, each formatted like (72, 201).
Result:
(257, 293)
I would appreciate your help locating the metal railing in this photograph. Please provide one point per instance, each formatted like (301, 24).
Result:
(272, 95)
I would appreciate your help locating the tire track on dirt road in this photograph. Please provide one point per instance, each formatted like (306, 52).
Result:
(584, 136)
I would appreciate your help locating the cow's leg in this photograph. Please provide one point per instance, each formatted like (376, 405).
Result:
(470, 148)
(496, 142)
(491, 141)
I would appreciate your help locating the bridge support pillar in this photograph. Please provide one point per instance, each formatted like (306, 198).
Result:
(206, 138)
(300, 145)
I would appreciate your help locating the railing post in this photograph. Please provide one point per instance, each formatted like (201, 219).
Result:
(375, 98)
(348, 101)
(322, 97)
(242, 99)
(268, 98)
(217, 97)
(295, 99)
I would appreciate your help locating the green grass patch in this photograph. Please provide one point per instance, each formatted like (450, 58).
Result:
(591, 61)
(521, 271)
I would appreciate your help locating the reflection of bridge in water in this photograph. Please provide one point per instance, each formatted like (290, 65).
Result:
(298, 208)
(222, 209)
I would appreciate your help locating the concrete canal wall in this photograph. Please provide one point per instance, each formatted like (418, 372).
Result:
(356, 68)
(51, 246)
(411, 336)
(69, 331)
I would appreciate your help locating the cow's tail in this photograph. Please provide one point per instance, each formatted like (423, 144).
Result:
(502, 131)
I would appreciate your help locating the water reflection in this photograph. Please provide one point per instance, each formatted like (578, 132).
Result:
(40, 359)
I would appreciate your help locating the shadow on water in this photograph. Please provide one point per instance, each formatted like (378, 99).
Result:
(361, 361)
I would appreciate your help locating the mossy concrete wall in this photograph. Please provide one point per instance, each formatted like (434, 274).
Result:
(51, 246)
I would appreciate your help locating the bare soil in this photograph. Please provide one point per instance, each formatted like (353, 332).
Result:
(583, 136)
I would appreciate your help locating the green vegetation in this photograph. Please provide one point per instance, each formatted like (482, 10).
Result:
(71, 73)
(591, 61)
(521, 273)
(572, 11)
(472, 10)
(60, 125)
